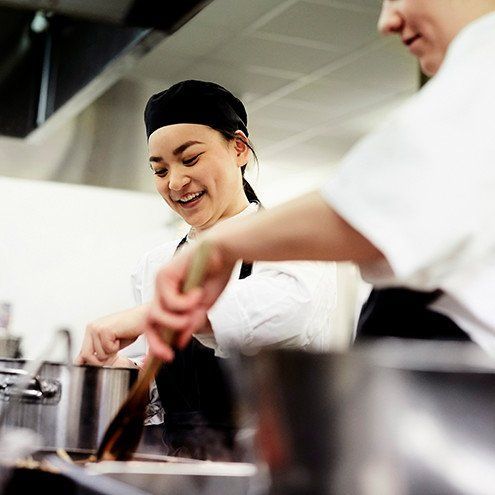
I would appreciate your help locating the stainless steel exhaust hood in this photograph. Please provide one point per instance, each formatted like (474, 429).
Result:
(55, 62)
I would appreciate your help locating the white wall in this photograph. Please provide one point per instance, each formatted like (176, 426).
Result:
(67, 251)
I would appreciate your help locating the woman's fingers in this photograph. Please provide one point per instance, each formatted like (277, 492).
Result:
(160, 317)
(157, 346)
(168, 290)
(79, 360)
(109, 343)
(183, 313)
(99, 351)
(197, 321)
(86, 354)
(87, 358)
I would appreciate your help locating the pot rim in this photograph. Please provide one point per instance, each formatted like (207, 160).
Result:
(70, 365)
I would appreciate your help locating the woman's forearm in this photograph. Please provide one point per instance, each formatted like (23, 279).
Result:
(304, 228)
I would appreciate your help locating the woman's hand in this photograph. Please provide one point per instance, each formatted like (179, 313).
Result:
(184, 313)
(108, 335)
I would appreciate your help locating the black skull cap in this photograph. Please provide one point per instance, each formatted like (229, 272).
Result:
(195, 102)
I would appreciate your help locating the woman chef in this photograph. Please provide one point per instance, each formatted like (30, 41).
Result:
(199, 147)
(412, 204)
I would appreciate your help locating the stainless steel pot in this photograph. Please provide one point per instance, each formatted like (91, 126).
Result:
(68, 406)
(401, 418)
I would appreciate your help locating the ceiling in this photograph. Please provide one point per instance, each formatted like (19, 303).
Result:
(314, 74)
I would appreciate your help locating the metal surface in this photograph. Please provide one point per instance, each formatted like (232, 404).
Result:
(88, 398)
(10, 347)
(52, 66)
(146, 13)
(197, 478)
(396, 418)
(37, 390)
(169, 476)
(73, 481)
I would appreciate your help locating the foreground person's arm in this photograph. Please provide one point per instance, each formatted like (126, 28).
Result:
(304, 228)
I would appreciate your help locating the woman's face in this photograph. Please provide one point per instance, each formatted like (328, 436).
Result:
(197, 172)
(427, 27)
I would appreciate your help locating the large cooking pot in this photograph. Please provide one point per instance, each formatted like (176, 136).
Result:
(68, 406)
(398, 417)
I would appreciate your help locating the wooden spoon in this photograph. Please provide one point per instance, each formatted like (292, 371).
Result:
(123, 434)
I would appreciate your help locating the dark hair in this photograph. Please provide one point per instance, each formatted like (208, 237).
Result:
(248, 190)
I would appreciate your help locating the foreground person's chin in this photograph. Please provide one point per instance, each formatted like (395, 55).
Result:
(430, 67)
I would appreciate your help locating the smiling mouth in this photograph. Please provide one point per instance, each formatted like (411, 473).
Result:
(190, 198)
(411, 40)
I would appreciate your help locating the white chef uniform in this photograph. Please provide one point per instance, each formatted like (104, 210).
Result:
(422, 188)
(282, 304)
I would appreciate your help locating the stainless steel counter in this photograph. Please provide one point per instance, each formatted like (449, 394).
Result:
(191, 478)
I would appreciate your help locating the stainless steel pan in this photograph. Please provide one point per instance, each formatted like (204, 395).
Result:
(401, 418)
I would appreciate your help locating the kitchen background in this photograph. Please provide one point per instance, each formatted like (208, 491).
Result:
(77, 207)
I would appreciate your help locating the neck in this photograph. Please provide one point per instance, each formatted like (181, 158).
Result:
(234, 209)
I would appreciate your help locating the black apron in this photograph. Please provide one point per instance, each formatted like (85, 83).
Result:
(197, 396)
(404, 313)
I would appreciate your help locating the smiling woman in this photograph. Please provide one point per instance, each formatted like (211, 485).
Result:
(198, 151)
(199, 178)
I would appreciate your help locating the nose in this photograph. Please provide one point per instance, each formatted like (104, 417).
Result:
(177, 179)
(390, 21)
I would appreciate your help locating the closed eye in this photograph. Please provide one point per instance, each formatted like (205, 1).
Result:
(160, 172)
(192, 160)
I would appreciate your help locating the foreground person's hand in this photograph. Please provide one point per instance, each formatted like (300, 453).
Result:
(108, 335)
(184, 313)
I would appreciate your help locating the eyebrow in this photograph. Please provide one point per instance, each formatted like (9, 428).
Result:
(180, 149)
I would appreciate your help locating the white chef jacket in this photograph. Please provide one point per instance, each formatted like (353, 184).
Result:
(422, 188)
(281, 304)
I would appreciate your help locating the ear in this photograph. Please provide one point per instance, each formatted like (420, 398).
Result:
(241, 148)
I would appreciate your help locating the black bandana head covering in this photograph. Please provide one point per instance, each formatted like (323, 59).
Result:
(195, 102)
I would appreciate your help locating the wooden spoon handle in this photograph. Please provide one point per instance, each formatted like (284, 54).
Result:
(194, 277)
(122, 436)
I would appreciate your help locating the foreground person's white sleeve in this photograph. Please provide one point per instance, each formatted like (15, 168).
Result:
(421, 188)
(285, 304)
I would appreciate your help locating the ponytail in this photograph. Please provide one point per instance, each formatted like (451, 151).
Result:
(248, 190)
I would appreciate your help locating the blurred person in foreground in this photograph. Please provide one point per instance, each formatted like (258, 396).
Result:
(412, 204)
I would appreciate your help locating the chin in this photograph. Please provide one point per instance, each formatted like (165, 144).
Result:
(430, 67)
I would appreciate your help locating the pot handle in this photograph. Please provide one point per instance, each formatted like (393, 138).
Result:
(20, 372)
(36, 393)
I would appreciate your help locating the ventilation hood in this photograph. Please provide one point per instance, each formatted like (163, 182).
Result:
(57, 57)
